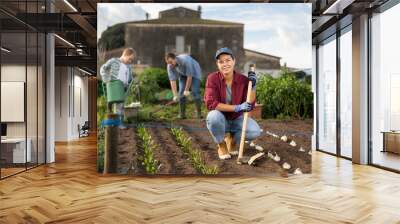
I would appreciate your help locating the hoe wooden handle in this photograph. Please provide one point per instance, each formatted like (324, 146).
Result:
(244, 127)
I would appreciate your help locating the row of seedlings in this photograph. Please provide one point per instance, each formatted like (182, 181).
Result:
(148, 146)
(194, 155)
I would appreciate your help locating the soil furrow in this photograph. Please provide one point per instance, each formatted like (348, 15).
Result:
(169, 154)
(203, 141)
(174, 162)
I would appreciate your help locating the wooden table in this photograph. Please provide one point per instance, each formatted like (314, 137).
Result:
(391, 141)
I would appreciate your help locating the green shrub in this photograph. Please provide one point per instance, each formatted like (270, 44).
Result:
(203, 84)
(148, 87)
(101, 109)
(160, 74)
(101, 115)
(284, 97)
(151, 82)
(100, 88)
(308, 79)
(133, 94)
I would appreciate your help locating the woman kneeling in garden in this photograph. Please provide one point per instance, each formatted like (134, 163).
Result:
(225, 98)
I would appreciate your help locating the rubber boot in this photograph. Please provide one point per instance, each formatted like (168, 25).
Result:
(182, 109)
(197, 103)
(121, 122)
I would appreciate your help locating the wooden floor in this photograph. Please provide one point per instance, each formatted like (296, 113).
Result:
(10, 171)
(70, 191)
(387, 159)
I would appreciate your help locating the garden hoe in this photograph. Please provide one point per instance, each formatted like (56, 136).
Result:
(241, 159)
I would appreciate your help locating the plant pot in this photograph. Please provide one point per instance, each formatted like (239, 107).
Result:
(115, 91)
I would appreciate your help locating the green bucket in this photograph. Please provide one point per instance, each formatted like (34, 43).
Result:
(115, 91)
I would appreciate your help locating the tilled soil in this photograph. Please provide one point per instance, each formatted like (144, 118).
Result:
(299, 131)
(170, 156)
(174, 162)
(202, 140)
(128, 161)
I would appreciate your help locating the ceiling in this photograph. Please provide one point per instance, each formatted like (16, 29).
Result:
(331, 15)
(76, 20)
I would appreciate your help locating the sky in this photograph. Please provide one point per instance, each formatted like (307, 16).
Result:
(282, 30)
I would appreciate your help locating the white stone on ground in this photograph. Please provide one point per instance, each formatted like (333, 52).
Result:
(270, 155)
(252, 144)
(293, 143)
(297, 171)
(284, 138)
(286, 166)
(259, 148)
(310, 152)
(301, 149)
(246, 142)
(277, 158)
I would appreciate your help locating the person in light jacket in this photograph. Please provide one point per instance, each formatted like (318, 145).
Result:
(119, 69)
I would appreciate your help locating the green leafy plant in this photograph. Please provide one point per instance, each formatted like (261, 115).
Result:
(159, 74)
(101, 109)
(148, 88)
(195, 155)
(285, 97)
(148, 147)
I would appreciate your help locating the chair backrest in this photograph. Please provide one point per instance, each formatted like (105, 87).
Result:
(86, 125)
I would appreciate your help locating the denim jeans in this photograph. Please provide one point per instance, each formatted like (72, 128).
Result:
(119, 109)
(218, 125)
(195, 89)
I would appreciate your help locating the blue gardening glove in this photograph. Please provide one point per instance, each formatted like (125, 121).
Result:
(253, 78)
(246, 107)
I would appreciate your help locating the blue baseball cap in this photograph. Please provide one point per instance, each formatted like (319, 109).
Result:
(223, 50)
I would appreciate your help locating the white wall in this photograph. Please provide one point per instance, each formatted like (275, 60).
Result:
(71, 94)
(61, 103)
(33, 127)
